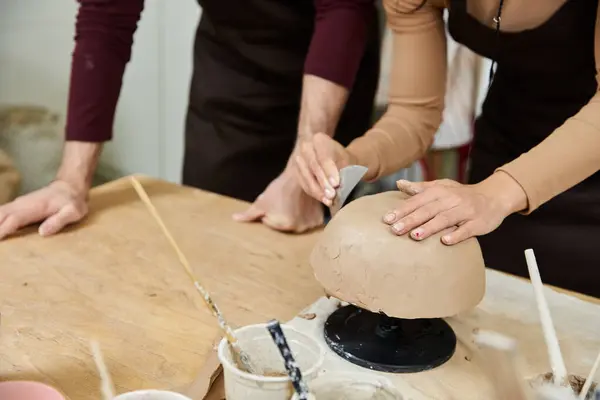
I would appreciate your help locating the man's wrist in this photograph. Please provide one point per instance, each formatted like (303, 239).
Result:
(79, 165)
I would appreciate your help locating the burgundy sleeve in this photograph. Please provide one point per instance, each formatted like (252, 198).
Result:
(339, 39)
(103, 39)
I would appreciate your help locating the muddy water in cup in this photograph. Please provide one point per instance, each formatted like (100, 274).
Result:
(274, 384)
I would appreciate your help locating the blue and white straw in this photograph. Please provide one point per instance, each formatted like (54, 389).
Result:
(290, 363)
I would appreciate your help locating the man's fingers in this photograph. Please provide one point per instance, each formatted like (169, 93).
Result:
(9, 225)
(278, 222)
(17, 215)
(253, 213)
(69, 214)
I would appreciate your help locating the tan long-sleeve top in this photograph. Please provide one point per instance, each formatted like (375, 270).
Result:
(416, 100)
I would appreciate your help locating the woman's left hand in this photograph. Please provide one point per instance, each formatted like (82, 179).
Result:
(475, 209)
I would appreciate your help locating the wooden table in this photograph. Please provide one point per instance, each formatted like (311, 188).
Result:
(115, 278)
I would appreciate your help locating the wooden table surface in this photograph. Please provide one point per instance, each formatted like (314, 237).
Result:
(115, 278)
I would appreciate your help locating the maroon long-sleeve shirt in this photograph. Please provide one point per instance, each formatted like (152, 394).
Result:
(104, 37)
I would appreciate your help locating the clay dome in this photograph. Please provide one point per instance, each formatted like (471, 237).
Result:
(359, 260)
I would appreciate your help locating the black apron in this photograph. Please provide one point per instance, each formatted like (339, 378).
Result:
(544, 76)
(245, 93)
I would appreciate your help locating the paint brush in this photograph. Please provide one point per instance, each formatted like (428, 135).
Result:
(106, 386)
(291, 366)
(500, 354)
(241, 357)
(559, 371)
(590, 379)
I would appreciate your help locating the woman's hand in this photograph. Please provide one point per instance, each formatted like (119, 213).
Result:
(475, 209)
(317, 162)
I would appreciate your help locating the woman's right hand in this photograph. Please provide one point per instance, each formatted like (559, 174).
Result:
(317, 161)
(55, 206)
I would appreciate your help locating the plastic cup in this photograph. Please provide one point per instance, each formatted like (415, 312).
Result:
(151, 395)
(274, 384)
(352, 386)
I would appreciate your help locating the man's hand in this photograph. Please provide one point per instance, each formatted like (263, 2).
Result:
(285, 207)
(56, 206)
(317, 162)
(62, 202)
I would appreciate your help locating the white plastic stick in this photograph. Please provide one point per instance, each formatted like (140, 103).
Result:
(557, 363)
(106, 385)
(590, 379)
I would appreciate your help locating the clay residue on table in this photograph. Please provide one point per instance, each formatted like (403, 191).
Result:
(576, 382)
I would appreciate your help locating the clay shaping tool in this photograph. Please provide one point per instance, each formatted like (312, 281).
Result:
(350, 176)
(291, 366)
(500, 355)
(241, 357)
(590, 379)
(106, 386)
(559, 371)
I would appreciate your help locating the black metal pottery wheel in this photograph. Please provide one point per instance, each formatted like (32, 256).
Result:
(387, 344)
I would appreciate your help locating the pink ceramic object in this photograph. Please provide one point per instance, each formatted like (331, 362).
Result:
(28, 391)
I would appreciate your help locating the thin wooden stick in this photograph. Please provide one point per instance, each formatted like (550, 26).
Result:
(590, 379)
(500, 355)
(106, 386)
(559, 370)
(242, 356)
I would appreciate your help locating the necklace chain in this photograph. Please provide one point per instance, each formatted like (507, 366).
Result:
(497, 20)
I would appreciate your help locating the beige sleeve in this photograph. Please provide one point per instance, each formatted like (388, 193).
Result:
(416, 94)
(566, 157)
(10, 179)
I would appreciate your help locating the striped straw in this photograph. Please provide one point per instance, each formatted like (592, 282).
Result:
(290, 364)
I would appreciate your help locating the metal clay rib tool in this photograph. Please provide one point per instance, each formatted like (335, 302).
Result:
(242, 359)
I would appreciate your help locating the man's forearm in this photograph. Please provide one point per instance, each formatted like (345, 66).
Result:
(79, 163)
(322, 104)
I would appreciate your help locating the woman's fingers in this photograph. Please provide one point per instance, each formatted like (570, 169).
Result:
(419, 216)
(324, 148)
(309, 182)
(316, 154)
(412, 188)
(409, 206)
(441, 221)
(464, 232)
